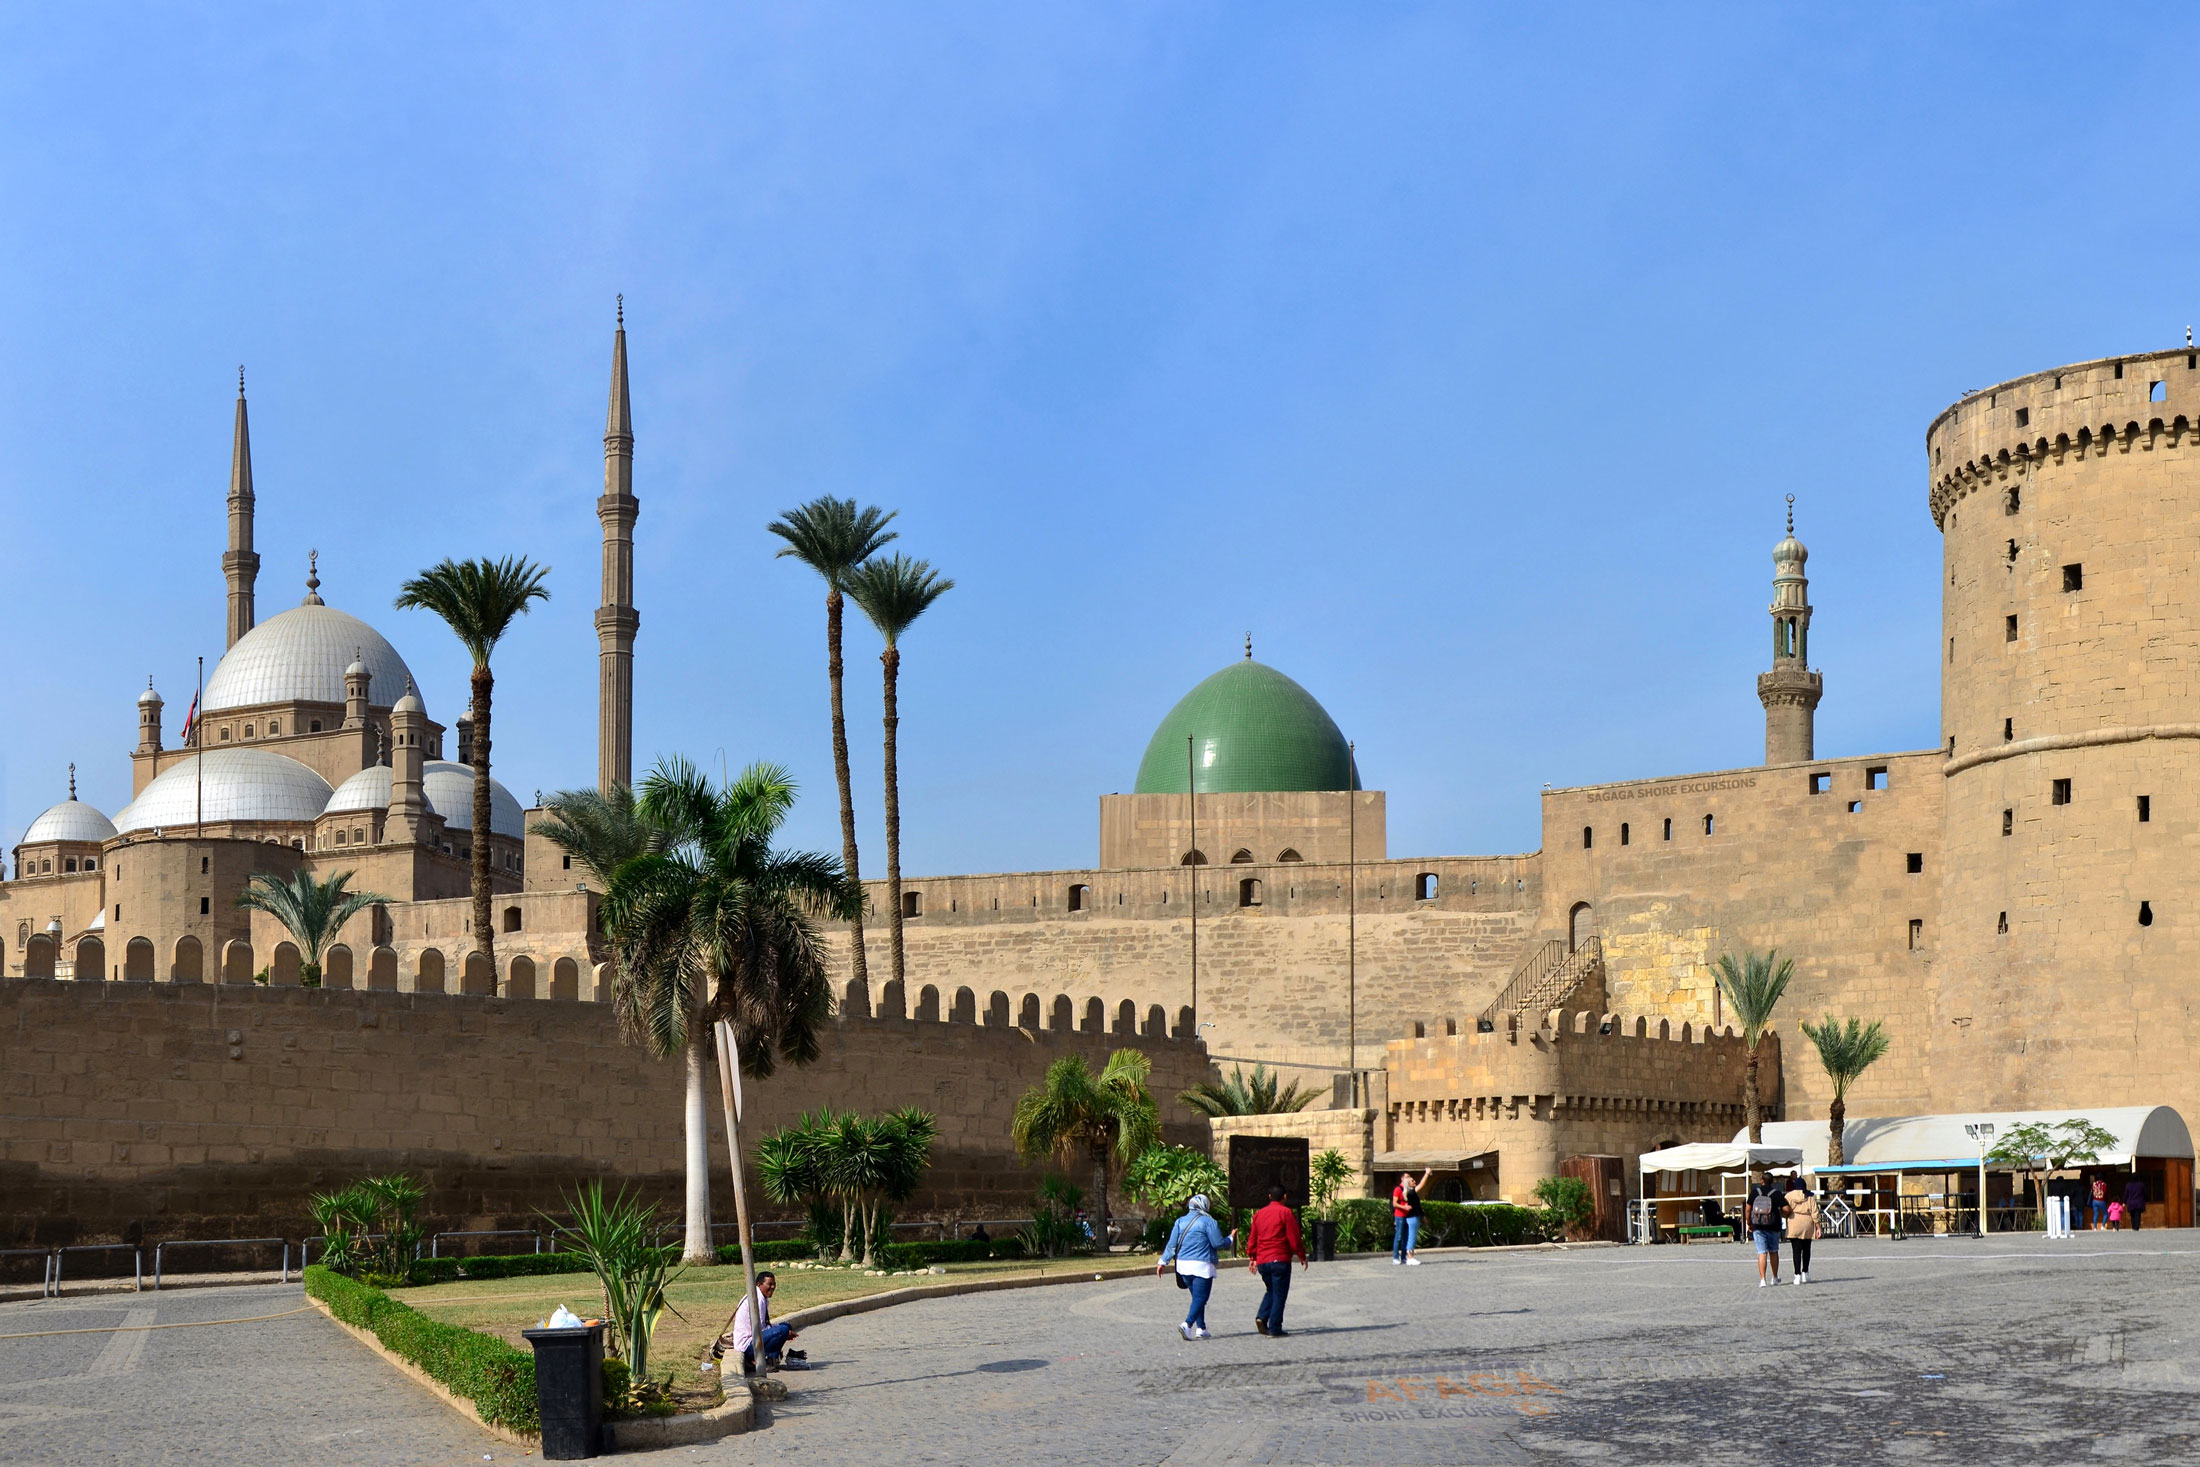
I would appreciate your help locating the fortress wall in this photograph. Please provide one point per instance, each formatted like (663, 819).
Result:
(1566, 1088)
(1783, 868)
(1272, 978)
(152, 1110)
(1149, 831)
(27, 906)
(2078, 1002)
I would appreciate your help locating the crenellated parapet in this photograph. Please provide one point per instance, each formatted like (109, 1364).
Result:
(1994, 437)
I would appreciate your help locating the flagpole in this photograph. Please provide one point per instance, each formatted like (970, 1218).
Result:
(1191, 786)
(198, 763)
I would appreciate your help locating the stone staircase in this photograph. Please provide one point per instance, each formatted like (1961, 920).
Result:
(1545, 979)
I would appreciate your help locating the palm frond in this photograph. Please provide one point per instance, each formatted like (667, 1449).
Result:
(833, 536)
(894, 591)
(1753, 986)
(477, 599)
(1846, 1052)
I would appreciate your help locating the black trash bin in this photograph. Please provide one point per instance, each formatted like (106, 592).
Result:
(1325, 1241)
(569, 1390)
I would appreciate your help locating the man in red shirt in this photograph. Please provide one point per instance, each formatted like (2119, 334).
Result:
(1271, 1243)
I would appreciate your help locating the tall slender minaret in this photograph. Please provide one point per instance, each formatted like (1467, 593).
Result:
(616, 618)
(239, 564)
(1790, 692)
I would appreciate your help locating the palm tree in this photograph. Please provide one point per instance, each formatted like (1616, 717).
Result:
(1753, 987)
(477, 599)
(833, 537)
(718, 925)
(893, 593)
(1846, 1053)
(313, 912)
(1239, 1096)
(601, 830)
(1105, 1116)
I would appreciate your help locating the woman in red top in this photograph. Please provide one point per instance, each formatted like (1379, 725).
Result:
(1405, 1217)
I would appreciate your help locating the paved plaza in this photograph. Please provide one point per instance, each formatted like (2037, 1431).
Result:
(2013, 1351)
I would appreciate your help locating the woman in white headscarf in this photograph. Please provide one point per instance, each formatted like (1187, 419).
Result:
(1194, 1244)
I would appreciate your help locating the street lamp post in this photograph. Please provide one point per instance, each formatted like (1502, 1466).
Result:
(1980, 1132)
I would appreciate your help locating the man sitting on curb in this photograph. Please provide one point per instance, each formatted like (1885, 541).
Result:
(743, 1339)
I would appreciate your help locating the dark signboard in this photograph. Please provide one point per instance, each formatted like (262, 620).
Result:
(1260, 1162)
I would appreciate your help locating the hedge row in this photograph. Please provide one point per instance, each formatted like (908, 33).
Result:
(498, 1379)
(1364, 1225)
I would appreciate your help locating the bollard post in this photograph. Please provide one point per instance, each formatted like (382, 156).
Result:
(569, 1390)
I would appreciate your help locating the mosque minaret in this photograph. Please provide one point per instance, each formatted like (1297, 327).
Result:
(616, 618)
(240, 565)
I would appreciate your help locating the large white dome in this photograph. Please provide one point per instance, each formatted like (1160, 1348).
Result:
(241, 784)
(69, 820)
(301, 656)
(450, 790)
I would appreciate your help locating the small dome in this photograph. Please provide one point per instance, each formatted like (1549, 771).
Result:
(369, 789)
(1252, 730)
(450, 789)
(1789, 551)
(240, 784)
(69, 820)
(410, 703)
(357, 669)
(148, 696)
(299, 656)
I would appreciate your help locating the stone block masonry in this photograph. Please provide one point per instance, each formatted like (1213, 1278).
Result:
(142, 1111)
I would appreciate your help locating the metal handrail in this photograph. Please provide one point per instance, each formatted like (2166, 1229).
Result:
(1545, 977)
(45, 1274)
(217, 1243)
(137, 1261)
(305, 1246)
(435, 1243)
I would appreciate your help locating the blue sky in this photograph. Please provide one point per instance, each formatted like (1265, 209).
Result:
(1462, 355)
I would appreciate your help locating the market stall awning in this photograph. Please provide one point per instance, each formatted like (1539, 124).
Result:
(1927, 1143)
(1714, 1156)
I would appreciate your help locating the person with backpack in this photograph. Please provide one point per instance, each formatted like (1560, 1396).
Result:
(1767, 1207)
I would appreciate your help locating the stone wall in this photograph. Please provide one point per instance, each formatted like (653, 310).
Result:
(1572, 1084)
(155, 1110)
(1351, 1132)
(1145, 832)
(1273, 977)
(1811, 859)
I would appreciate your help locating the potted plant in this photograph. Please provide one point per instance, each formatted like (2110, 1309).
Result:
(1326, 1174)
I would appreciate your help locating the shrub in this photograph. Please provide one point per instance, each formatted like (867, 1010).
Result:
(1054, 1231)
(1325, 1177)
(1568, 1204)
(1363, 1225)
(498, 1379)
(615, 1234)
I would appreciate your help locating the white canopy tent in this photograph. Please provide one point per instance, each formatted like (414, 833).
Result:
(1724, 1161)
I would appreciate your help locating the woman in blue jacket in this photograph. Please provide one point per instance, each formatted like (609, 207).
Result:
(1194, 1244)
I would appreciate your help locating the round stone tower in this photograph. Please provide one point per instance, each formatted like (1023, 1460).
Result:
(2069, 506)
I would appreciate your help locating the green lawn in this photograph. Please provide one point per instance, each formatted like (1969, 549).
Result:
(704, 1299)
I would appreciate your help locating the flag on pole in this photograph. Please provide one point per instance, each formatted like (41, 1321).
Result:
(191, 720)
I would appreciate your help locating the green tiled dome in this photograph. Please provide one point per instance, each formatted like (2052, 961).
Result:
(1252, 730)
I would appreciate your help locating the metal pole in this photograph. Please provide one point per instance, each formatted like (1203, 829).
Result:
(729, 1056)
(1191, 796)
(198, 761)
(1352, 923)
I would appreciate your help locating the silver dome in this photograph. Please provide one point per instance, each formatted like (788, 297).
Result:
(449, 787)
(451, 795)
(69, 820)
(241, 784)
(301, 656)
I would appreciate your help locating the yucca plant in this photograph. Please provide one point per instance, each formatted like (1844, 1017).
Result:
(346, 1219)
(618, 1236)
(1262, 1094)
(395, 1201)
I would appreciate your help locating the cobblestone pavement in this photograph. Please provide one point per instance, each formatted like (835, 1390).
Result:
(293, 1389)
(1929, 1351)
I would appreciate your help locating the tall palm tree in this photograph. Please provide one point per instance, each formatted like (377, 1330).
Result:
(313, 912)
(1239, 1096)
(833, 537)
(718, 925)
(1845, 1053)
(1753, 987)
(893, 593)
(478, 599)
(1104, 1116)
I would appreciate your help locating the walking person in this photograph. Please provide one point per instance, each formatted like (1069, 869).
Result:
(2100, 1203)
(1271, 1242)
(1405, 1217)
(1803, 1227)
(2135, 1200)
(1194, 1244)
(1767, 1205)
